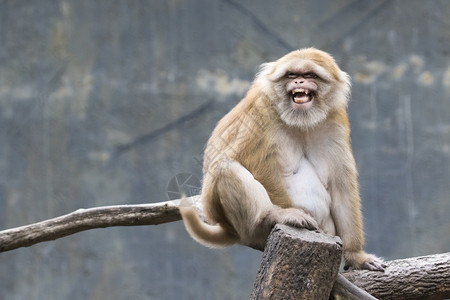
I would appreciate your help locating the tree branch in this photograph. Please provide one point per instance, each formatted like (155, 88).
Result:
(344, 289)
(85, 219)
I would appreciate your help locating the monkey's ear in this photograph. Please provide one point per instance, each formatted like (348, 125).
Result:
(346, 84)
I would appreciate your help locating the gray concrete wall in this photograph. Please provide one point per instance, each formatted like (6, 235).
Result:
(104, 102)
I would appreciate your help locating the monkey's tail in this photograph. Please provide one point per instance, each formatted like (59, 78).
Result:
(213, 236)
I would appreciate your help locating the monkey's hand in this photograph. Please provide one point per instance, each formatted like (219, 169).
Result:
(362, 261)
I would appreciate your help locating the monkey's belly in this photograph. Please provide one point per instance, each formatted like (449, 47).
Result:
(308, 192)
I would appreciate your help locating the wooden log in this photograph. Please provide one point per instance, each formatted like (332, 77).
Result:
(297, 264)
(425, 277)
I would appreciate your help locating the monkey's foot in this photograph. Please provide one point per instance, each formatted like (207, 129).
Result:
(363, 261)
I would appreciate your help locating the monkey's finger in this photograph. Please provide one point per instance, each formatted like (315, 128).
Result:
(307, 222)
(374, 266)
(311, 223)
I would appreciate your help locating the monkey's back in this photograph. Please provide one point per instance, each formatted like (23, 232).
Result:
(247, 134)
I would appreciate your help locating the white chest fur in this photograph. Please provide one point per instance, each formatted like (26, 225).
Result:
(306, 177)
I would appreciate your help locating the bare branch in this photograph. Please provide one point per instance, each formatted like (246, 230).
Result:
(85, 219)
(344, 289)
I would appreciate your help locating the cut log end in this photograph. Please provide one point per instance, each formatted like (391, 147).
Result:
(298, 264)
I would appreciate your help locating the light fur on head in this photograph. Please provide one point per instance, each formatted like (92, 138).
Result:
(335, 94)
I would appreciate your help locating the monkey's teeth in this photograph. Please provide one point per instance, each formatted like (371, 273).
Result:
(301, 95)
(306, 91)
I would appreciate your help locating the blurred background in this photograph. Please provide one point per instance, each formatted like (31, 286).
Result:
(109, 102)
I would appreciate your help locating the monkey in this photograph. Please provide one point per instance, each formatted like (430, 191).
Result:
(283, 155)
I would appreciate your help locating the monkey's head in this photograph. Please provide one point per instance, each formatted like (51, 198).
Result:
(305, 86)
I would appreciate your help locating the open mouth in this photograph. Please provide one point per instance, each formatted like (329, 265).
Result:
(301, 96)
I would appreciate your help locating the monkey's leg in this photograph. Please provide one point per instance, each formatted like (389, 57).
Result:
(248, 208)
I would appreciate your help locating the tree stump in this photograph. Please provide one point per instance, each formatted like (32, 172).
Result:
(298, 264)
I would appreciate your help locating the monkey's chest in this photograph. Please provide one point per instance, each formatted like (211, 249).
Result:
(305, 185)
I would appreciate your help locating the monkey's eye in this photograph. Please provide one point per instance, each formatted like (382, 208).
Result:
(310, 75)
(291, 75)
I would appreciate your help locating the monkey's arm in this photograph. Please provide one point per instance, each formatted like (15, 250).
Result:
(347, 216)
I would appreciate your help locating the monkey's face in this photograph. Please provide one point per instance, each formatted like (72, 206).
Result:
(305, 85)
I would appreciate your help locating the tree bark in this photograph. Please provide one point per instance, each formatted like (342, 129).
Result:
(426, 277)
(297, 264)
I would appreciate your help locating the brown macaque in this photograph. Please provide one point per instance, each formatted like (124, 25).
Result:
(283, 155)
